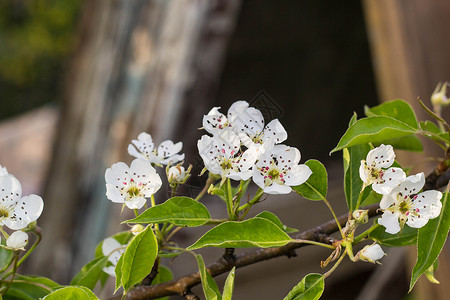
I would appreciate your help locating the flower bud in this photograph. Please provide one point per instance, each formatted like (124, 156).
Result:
(176, 174)
(361, 216)
(17, 240)
(371, 253)
(439, 97)
(136, 229)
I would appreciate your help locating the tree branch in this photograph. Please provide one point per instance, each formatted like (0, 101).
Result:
(321, 233)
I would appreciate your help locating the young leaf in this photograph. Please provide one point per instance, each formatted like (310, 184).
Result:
(90, 273)
(407, 236)
(272, 217)
(138, 258)
(397, 109)
(430, 240)
(210, 288)
(229, 285)
(180, 211)
(5, 256)
(373, 130)
(315, 188)
(352, 181)
(310, 288)
(429, 274)
(71, 292)
(118, 271)
(408, 143)
(255, 232)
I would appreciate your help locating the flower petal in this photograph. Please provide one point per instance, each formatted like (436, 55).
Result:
(109, 245)
(135, 202)
(390, 221)
(214, 120)
(27, 210)
(428, 203)
(250, 122)
(236, 109)
(382, 156)
(17, 240)
(411, 185)
(297, 175)
(275, 131)
(10, 190)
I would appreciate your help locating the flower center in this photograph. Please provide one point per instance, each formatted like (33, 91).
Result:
(4, 213)
(133, 191)
(274, 173)
(404, 207)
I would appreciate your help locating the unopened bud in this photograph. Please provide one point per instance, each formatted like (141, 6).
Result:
(136, 229)
(371, 253)
(361, 216)
(439, 97)
(18, 240)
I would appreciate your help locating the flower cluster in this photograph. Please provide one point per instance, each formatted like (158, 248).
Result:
(242, 146)
(401, 203)
(17, 212)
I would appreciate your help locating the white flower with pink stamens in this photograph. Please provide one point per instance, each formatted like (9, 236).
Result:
(215, 121)
(166, 153)
(372, 170)
(222, 155)
(406, 205)
(279, 169)
(131, 185)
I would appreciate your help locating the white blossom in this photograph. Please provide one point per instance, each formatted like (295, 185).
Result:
(18, 240)
(17, 212)
(372, 170)
(3, 171)
(406, 205)
(114, 250)
(176, 174)
(222, 155)
(371, 253)
(215, 121)
(279, 169)
(131, 185)
(166, 153)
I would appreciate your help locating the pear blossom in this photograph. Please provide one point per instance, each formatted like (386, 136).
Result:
(166, 153)
(215, 121)
(177, 174)
(223, 156)
(114, 250)
(372, 170)
(131, 185)
(279, 169)
(249, 125)
(18, 240)
(371, 253)
(406, 205)
(16, 212)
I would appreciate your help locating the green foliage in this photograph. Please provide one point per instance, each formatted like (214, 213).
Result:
(229, 285)
(309, 288)
(137, 261)
(6, 256)
(71, 293)
(255, 232)
(430, 240)
(407, 236)
(209, 286)
(315, 188)
(274, 219)
(352, 157)
(90, 274)
(30, 287)
(397, 109)
(180, 211)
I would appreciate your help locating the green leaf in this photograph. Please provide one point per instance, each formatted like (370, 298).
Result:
(210, 288)
(407, 236)
(122, 237)
(397, 109)
(255, 232)
(30, 287)
(6, 256)
(138, 258)
(352, 181)
(372, 130)
(372, 198)
(71, 293)
(164, 275)
(315, 188)
(229, 285)
(310, 288)
(430, 240)
(272, 217)
(180, 211)
(408, 143)
(118, 271)
(429, 274)
(90, 273)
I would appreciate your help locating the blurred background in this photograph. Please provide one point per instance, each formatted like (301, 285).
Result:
(80, 79)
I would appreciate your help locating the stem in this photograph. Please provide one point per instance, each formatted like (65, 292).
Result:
(365, 233)
(229, 194)
(38, 233)
(152, 200)
(208, 182)
(174, 191)
(358, 202)
(335, 265)
(314, 243)
(334, 216)
(4, 233)
(255, 199)
(215, 221)
(13, 273)
(171, 234)
(136, 213)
